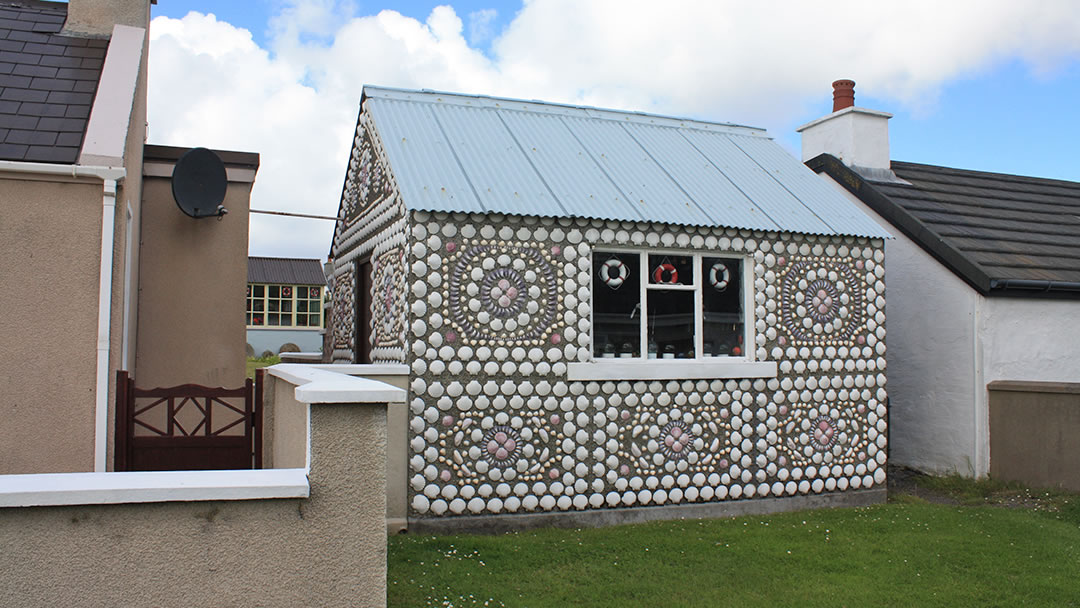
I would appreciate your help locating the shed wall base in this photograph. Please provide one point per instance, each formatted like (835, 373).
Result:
(497, 524)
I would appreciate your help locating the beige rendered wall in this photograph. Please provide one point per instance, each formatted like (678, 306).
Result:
(192, 281)
(125, 284)
(327, 550)
(50, 240)
(1035, 433)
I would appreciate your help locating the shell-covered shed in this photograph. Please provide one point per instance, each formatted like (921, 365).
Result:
(606, 309)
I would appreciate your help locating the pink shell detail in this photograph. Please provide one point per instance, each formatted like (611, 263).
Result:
(447, 420)
(861, 339)
(445, 475)
(555, 419)
(554, 474)
(450, 246)
(624, 469)
(625, 415)
(556, 250)
(451, 336)
(556, 338)
(781, 340)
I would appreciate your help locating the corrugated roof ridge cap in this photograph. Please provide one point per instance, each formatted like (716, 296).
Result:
(551, 107)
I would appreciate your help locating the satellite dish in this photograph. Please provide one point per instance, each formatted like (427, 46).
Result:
(198, 183)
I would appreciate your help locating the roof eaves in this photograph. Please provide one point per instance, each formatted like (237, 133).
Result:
(951, 257)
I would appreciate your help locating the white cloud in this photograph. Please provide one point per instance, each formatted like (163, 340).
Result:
(727, 60)
(480, 25)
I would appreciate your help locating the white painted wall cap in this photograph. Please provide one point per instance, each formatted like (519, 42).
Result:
(316, 384)
(56, 489)
(839, 113)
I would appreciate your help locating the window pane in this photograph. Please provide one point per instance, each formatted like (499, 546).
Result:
(616, 305)
(671, 324)
(301, 306)
(260, 291)
(273, 319)
(286, 291)
(286, 306)
(301, 320)
(272, 305)
(257, 305)
(314, 292)
(256, 320)
(248, 319)
(301, 292)
(275, 291)
(249, 305)
(313, 321)
(722, 303)
(671, 269)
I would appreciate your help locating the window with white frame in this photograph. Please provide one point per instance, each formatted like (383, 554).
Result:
(284, 305)
(657, 305)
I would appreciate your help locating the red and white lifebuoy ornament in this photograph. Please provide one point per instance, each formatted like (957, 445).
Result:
(614, 273)
(719, 276)
(661, 270)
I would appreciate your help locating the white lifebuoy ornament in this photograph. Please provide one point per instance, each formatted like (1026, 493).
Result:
(614, 273)
(719, 276)
(658, 274)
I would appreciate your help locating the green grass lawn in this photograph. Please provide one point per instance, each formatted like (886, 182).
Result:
(254, 363)
(906, 553)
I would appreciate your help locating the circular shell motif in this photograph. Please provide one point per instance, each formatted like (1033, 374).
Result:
(500, 294)
(822, 301)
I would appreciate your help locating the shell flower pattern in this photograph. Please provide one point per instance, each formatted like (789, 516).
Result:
(822, 301)
(501, 294)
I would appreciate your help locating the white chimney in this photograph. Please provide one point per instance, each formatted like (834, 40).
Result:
(857, 136)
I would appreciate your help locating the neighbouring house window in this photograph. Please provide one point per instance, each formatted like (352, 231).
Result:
(284, 306)
(649, 305)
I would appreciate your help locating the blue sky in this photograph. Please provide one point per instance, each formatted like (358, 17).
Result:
(984, 85)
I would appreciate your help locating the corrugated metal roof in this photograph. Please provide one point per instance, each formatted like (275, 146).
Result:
(287, 271)
(462, 153)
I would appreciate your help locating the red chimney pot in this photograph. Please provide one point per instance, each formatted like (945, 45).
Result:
(843, 94)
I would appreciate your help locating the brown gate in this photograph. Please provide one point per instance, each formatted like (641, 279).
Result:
(188, 427)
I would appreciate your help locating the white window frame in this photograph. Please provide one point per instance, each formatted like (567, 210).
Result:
(700, 367)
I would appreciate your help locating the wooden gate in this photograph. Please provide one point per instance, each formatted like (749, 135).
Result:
(188, 427)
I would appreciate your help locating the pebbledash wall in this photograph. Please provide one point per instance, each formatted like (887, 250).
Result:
(506, 414)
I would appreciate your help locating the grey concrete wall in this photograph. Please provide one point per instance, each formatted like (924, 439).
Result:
(1035, 433)
(97, 17)
(328, 550)
(50, 241)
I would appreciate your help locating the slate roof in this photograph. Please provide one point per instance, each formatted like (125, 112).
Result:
(999, 232)
(47, 83)
(288, 271)
(470, 153)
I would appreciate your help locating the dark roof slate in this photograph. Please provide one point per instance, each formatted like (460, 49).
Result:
(47, 82)
(999, 232)
(288, 271)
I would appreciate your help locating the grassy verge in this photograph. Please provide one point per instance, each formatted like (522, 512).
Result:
(254, 363)
(906, 553)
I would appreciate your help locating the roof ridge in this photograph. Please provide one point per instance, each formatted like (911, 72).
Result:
(551, 107)
(979, 174)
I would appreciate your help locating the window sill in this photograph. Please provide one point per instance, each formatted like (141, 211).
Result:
(653, 369)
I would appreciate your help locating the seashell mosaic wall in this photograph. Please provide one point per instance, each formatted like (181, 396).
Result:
(499, 306)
